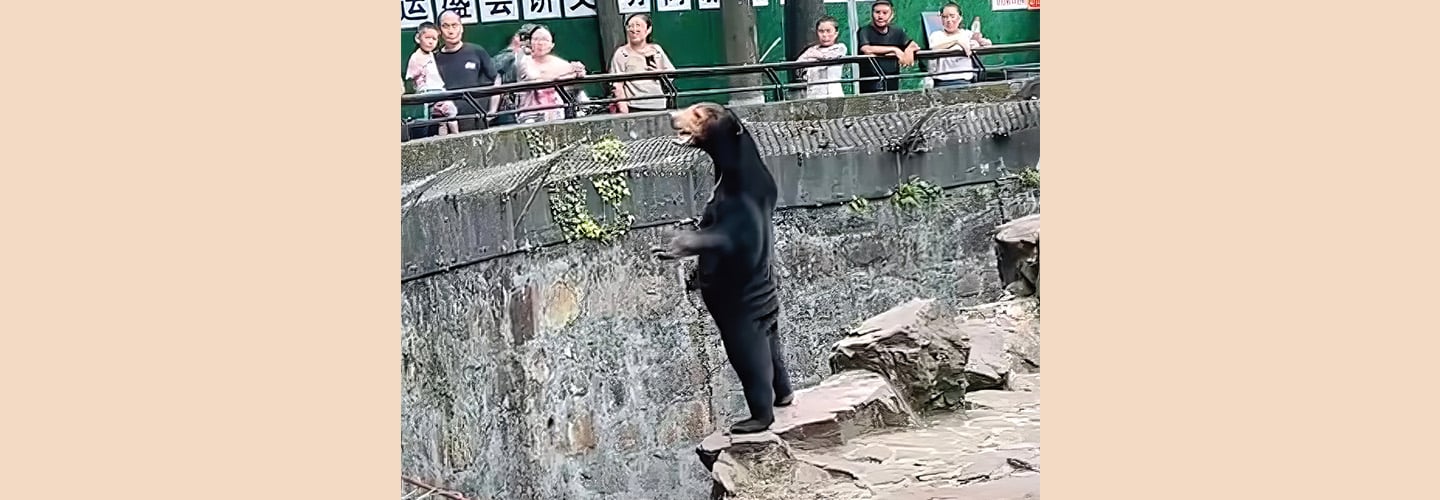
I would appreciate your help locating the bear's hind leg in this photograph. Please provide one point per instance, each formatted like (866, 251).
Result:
(784, 395)
(749, 354)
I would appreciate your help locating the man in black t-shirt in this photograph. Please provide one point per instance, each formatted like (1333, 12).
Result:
(464, 65)
(894, 48)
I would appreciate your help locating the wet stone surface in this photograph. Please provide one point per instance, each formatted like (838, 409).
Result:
(987, 454)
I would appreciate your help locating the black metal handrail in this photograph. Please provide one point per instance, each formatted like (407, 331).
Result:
(769, 70)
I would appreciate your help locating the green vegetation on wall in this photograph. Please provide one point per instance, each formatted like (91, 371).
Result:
(692, 37)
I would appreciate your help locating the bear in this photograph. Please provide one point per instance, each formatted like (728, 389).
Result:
(734, 241)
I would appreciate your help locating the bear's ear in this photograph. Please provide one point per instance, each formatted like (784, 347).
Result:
(739, 127)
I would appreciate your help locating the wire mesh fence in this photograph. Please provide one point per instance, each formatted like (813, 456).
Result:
(506, 206)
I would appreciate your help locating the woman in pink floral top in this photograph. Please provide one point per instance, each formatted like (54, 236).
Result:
(543, 65)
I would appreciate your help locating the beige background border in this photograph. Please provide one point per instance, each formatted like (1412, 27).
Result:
(207, 309)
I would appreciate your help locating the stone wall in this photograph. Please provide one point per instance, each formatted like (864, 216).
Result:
(822, 152)
(583, 371)
(423, 157)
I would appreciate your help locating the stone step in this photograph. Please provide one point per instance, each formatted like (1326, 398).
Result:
(987, 453)
(842, 407)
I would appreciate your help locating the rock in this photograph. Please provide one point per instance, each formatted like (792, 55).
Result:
(1025, 383)
(933, 360)
(1017, 248)
(1002, 400)
(987, 366)
(733, 460)
(1025, 487)
(1018, 322)
(873, 453)
(922, 354)
(844, 405)
(994, 465)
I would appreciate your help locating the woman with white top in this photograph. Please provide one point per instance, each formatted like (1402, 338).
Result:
(951, 37)
(826, 30)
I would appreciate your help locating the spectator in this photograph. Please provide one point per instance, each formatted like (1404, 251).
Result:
(951, 37)
(404, 127)
(423, 70)
(505, 65)
(827, 29)
(542, 66)
(639, 54)
(465, 65)
(881, 39)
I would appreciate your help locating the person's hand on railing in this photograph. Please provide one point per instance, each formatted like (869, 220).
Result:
(962, 45)
(907, 58)
(578, 68)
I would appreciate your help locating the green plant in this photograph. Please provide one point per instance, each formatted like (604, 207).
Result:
(609, 151)
(538, 143)
(915, 193)
(859, 205)
(1029, 178)
(568, 205)
(614, 190)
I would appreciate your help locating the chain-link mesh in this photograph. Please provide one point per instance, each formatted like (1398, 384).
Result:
(881, 131)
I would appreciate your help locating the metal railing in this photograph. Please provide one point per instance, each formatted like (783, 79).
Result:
(770, 71)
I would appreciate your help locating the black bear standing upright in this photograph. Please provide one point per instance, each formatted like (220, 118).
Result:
(735, 241)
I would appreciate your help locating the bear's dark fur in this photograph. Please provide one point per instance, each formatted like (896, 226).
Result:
(735, 242)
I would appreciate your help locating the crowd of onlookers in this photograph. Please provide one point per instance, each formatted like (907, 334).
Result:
(443, 60)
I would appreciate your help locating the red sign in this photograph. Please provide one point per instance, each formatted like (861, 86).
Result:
(1033, 4)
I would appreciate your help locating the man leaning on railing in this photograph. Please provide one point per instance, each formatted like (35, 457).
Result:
(464, 65)
(880, 38)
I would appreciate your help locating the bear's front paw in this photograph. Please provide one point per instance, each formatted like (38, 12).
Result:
(664, 252)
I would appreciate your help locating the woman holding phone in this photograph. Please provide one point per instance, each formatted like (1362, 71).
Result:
(639, 54)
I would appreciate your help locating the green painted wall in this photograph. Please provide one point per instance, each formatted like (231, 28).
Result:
(693, 37)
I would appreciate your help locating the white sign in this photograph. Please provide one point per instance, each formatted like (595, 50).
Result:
(673, 5)
(708, 4)
(634, 6)
(468, 10)
(759, 3)
(541, 9)
(997, 5)
(579, 8)
(414, 12)
(495, 11)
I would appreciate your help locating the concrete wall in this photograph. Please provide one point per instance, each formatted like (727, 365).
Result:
(583, 371)
(423, 157)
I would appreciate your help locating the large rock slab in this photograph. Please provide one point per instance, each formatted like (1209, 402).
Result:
(921, 352)
(844, 406)
(1004, 340)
